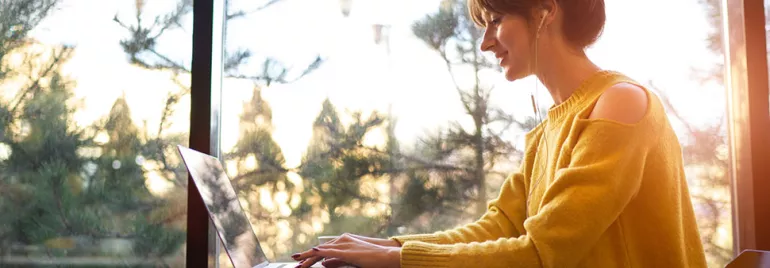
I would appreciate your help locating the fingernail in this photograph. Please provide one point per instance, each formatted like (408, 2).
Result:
(295, 256)
(316, 249)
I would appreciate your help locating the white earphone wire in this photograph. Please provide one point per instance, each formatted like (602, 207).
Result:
(539, 117)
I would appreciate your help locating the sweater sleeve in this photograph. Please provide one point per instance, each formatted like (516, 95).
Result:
(583, 200)
(504, 218)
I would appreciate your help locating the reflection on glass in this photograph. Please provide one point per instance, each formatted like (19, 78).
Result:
(88, 94)
(224, 208)
(403, 126)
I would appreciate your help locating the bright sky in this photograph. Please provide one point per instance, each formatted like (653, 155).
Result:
(641, 39)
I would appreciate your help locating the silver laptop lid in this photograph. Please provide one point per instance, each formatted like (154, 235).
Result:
(225, 210)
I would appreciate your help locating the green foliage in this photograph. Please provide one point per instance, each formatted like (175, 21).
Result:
(54, 196)
(57, 198)
(155, 239)
(256, 140)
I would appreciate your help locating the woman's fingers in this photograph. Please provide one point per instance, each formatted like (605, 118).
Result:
(309, 262)
(306, 254)
(350, 250)
(313, 255)
(336, 248)
(334, 263)
(302, 255)
(330, 253)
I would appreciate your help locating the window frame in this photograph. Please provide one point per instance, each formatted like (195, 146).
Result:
(749, 121)
(203, 243)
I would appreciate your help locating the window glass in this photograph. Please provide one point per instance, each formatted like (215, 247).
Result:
(94, 96)
(382, 117)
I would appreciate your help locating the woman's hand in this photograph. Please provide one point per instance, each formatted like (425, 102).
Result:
(349, 250)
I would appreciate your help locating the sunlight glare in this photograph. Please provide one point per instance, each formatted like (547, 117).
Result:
(265, 200)
(157, 184)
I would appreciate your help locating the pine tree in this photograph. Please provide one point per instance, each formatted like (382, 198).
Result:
(58, 196)
(335, 167)
(256, 140)
(260, 164)
(44, 163)
(63, 204)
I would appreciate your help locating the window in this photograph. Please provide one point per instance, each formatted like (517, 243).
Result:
(358, 116)
(749, 124)
(95, 96)
(338, 116)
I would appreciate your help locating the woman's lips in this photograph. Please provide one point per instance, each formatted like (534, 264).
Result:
(501, 58)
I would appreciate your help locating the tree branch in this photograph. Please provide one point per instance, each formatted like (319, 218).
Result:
(36, 83)
(242, 13)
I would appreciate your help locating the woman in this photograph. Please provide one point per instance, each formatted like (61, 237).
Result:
(601, 184)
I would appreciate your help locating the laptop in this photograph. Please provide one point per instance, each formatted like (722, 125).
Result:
(233, 227)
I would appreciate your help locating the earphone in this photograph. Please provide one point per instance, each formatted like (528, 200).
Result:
(537, 37)
(542, 21)
(539, 118)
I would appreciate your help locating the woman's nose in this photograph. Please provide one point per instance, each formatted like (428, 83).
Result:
(487, 42)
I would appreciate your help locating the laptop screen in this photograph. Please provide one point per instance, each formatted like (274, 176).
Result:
(225, 210)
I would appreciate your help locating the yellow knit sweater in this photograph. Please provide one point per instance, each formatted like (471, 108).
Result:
(610, 195)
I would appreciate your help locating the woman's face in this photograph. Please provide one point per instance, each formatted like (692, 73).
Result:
(509, 37)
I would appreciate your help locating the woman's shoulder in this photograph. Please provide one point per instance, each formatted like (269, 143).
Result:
(623, 102)
(628, 111)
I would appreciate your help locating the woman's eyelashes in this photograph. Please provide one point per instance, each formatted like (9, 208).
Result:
(495, 20)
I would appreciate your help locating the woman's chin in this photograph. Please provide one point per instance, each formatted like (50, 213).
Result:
(513, 74)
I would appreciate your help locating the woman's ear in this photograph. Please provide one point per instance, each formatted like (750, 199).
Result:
(549, 5)
(550, 8)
